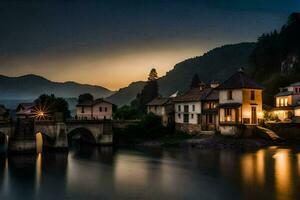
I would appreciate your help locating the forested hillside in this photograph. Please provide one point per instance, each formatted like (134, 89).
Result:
(275, 58)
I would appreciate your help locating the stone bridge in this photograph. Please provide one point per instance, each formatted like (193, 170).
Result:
(58, 134)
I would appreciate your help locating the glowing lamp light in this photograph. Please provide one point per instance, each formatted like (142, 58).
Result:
(41, 112)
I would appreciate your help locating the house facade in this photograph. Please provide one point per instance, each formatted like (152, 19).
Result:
(195, 110)
(163, 107)
(94, 110)
(240, 103)
(209, 111)
(25, 110)
(287, 103)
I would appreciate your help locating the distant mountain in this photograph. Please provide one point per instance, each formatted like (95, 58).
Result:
(31, 86)
(217, 64)
(127, 94)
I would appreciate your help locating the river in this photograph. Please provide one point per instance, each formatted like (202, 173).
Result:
(152, 173)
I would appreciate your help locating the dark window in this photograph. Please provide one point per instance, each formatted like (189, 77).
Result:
(105, 109)
(252, 95)
(179, 108)
(178, 115)
(186, 108)
(186, 118)
(210, 119)
(229, 95)
(100, 109)
(193, 107)
(192, 116)
(82, 109)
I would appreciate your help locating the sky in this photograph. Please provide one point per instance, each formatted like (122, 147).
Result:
(113, 43)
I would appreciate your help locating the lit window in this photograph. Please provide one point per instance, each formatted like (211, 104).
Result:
(281, 102)
(227, 113)
(285, 101)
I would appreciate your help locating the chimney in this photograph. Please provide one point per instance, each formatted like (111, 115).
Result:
(214, 84)
(202, 85)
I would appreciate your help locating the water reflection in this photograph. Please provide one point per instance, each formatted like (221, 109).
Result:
(94, 173)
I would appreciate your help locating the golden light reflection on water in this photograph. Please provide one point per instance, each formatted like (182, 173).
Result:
(38, 172)
(39, 142)
(260, 166)
(253, 168)
(283, 179)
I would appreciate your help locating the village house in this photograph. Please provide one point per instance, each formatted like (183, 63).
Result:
(4, 113)
(240, 103)
(163, 107)
(94, 109)
(287, 103)
(25, 110)
(209, 112)
(189, 108)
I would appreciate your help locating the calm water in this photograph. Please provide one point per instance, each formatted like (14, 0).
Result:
(104, 173)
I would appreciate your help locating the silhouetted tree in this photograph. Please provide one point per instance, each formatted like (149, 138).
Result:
(85, 97)
(273, 50)
(195, 81)
(51, 105)
(153, 75)
(148, 93)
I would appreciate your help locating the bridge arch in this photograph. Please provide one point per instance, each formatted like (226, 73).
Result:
(83, 134)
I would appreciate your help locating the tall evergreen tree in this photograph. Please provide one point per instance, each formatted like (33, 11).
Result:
(195, 81)
(153, 75)
(148, 93)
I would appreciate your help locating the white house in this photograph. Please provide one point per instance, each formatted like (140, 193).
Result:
(287, 103)
(188, 109)
(163, 107)
(240, 103)
(96, 109)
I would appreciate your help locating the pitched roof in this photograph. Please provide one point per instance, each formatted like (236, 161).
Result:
(285, 93)
(238, 81)
(159, 101)
(3, 110)
(194, 94)
(91, 103)
(212, 96)
(295, 84)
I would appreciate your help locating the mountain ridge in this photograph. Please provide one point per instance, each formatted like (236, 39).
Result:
(30, 86)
